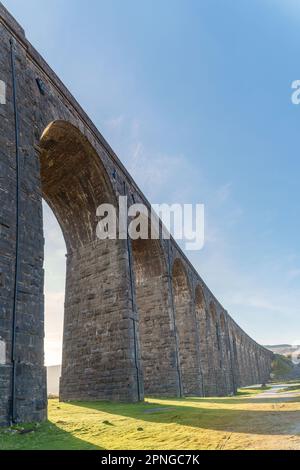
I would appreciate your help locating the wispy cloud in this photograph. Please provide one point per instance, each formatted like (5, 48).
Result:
(293, 274)
(153, 171)
(223, 193)
(114, 122)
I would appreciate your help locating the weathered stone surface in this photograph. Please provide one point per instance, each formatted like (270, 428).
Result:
(137, 315)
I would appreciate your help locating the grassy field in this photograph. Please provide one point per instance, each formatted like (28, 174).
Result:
(247, 421)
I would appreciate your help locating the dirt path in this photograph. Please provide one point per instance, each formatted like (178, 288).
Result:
(280, 426)
(274, 392)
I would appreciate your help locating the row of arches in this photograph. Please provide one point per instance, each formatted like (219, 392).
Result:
(184, 343)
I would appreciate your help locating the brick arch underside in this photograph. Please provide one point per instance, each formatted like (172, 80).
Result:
(74, 182)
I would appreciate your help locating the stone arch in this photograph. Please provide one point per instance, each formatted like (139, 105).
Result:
(97, 362)
(236, 360)
(240, 358)
(244, 360)
(248, 362)
(189, 359)
(253, 369)
(224, 341)
(214, 343)
(258, 365)
(74, 182)
(201, 319)
(254, 366)
(215, 324)
(227, 355)
(156, 326)
(222, 323)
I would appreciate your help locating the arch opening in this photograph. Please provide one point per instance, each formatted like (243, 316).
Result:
(54, 294)
(186, 330)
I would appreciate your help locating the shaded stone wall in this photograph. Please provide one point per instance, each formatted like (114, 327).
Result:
(201, 325)
(7, 228)
(189, 354)
(156, 326)
(228, 357)
(30, 389)
(97, 356)
(137, 314)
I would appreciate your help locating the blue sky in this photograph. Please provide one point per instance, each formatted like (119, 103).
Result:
(195, 98)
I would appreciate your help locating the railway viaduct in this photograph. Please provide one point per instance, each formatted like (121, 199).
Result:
(139, 319)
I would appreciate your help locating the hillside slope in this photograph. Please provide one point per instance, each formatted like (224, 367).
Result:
(284, 368)
(288, 350)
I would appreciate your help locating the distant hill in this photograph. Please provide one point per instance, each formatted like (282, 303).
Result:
(290, 351)
(284, 369)
(53, 375)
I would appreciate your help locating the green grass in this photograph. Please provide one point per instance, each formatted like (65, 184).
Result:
(240, 422)
(251, 391)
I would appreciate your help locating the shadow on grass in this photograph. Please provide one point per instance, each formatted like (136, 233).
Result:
(271, 422)
(46, 436)
(237, 400)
